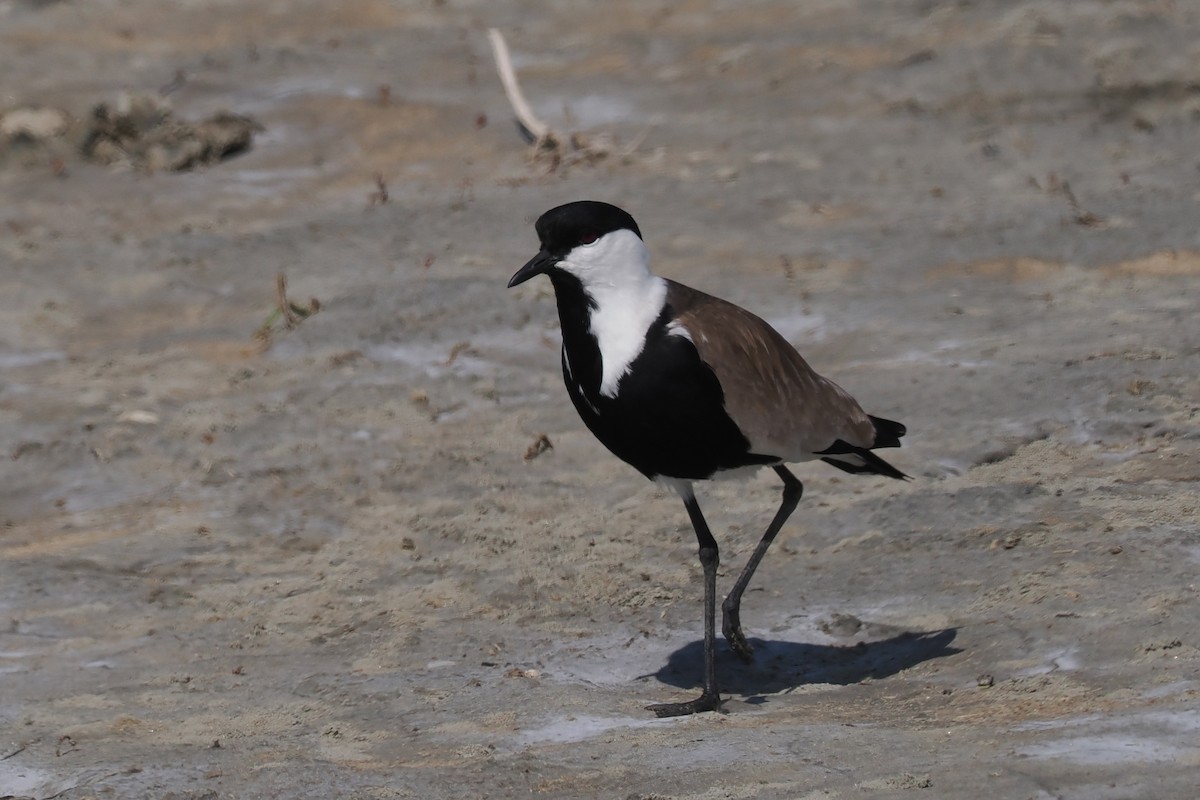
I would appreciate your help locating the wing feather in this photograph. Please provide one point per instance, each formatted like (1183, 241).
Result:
(761, 373)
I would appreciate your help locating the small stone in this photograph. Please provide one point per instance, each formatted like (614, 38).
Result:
(34, 124)
(840, 624)
(139, 417)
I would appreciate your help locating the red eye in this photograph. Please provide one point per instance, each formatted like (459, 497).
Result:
(588, 238)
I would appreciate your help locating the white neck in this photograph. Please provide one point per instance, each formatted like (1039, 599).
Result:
(615, 272)
(623, 315)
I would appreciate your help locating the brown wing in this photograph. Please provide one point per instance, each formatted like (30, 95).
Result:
(780, 403)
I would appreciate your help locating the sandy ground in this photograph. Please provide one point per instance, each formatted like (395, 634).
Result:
(325, 569)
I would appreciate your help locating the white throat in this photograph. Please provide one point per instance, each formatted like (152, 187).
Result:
(620, 321)
(615, 272)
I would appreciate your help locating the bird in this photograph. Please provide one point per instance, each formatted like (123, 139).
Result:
(685, 387)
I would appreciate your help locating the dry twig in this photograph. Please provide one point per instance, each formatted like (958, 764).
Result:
(547, 144)
(540, 445)
(378, 197)
(290, 313)
(1080, 215)
(458, 349)
(533, 129)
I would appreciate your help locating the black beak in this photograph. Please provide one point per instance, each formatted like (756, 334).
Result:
(540, 264)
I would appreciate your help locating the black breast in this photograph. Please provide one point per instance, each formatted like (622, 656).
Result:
(668, 417)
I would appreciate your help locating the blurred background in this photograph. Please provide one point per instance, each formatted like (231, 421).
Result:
(292, 499)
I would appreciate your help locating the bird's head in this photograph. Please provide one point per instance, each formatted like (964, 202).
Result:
(597, 243)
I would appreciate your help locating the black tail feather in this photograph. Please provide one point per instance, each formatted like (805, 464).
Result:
(887, 432)
(860, 460)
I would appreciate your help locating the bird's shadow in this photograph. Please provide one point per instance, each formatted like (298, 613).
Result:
(779, 666)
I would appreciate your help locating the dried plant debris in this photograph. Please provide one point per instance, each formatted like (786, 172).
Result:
(35, 135)
(457, 350)
(285, 316)
(380, 196)
(540, 445)
(141, 131)
(548, 146)
(33, 124)
(1080, 215)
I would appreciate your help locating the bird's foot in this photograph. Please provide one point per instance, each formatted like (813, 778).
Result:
(732, 628)
(705, 702)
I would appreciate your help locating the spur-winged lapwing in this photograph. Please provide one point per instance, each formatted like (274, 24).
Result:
(685, 386)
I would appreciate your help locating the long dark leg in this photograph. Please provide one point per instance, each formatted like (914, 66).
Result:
(731, 608)
(710, 698)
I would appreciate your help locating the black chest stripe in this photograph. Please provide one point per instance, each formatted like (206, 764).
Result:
(668, 416)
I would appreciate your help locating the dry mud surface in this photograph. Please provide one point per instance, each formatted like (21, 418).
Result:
(324, 568)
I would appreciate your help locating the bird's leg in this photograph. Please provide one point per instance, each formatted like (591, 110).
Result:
(710, 698)
(731, 608)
